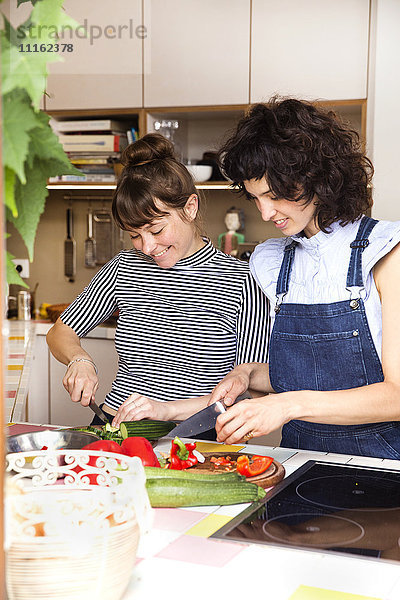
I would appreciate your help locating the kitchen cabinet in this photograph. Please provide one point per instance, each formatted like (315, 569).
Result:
(104, 68)
(310, 49)
(197, 52)
(206, 53)
(48, 401)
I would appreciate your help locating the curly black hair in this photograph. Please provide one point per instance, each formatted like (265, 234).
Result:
(306, 154)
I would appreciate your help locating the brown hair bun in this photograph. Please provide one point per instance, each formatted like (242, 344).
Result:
(150, 147)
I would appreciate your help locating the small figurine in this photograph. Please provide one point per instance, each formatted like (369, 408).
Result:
(229, 241)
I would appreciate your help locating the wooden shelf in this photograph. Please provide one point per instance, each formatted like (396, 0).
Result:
(65, 185)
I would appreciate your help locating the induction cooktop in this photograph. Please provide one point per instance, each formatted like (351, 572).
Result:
(327, 507)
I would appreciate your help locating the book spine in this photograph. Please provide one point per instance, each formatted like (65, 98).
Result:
(88, 143)
(97, 125)
(88, 178)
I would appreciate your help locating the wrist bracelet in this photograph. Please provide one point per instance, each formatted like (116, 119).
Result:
(82, 360)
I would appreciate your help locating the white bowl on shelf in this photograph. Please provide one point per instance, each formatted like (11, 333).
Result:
(200, 173)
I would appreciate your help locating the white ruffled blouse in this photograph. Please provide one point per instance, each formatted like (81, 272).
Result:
(320, 267)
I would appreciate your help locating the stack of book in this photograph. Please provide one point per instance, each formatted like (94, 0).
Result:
(93, 147)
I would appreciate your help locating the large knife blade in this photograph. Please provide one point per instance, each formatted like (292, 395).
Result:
(98, 411)
(204, 420)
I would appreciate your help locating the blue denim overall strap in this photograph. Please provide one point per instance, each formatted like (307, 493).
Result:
(329, 347)
(354, 273)
(282, 285)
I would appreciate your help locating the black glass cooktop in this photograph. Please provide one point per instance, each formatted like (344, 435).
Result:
(327, 507)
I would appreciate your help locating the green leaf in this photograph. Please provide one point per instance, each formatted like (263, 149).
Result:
(45, 145)
(9, 32)
(30, 200)
(13, 275)
(51, 15)
(9, 184)
(18, 120)
(26, 70)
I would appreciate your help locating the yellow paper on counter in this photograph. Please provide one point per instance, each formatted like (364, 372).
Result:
(208, 525)
(305, 592)
(210, 447)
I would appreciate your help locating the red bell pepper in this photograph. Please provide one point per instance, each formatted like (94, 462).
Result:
(98, 446)
(182, 456)
(141, 447)
(102, 446)
(258, 465)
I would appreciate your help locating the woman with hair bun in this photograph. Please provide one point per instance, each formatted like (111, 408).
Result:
(333, 280)
(185, 308)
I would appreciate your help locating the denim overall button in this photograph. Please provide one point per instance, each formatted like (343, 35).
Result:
(355, 333)
(354, 304)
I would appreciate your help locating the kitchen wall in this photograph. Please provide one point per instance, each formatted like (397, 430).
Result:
(47, 268)
(383, 124)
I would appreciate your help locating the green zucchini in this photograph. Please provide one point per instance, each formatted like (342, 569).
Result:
(151, 430)
(192, 475)
(181, 492)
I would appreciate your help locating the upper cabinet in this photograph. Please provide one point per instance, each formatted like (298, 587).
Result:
(311, 49)
(102, 58)
(196, 52)
(191, 53)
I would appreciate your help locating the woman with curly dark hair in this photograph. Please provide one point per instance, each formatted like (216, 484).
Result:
(333, 280)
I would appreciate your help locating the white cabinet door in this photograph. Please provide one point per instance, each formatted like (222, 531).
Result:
(196, 52)
(102, 69)
(62, 410)
(315, 49)
(38, 396)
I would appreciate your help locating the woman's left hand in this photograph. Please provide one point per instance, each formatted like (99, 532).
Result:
(258, 416)
(138, 407)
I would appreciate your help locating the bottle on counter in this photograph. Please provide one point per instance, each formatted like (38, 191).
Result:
(24, 306)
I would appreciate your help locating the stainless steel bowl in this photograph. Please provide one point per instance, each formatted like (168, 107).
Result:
(54, 440)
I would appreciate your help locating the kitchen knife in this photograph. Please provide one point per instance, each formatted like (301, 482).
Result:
(70, 249)
(97, 410)
(204, 420)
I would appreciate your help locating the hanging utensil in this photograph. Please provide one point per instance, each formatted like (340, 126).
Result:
(103, 234)
(90, 243)
(70, 249)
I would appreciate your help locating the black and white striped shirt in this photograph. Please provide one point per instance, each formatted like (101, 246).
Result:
(180, 330)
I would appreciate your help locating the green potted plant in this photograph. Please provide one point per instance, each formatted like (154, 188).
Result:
(31, 150)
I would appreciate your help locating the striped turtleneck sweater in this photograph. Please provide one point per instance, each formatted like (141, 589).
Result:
(180, 330)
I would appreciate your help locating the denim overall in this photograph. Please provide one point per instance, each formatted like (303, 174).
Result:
(329, 347)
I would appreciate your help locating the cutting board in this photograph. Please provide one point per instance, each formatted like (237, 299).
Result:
(270, 477)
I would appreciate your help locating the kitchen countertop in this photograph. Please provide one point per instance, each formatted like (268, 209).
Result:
(18, 344)
(176, 559)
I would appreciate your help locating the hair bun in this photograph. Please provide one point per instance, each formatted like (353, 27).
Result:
(152, 146)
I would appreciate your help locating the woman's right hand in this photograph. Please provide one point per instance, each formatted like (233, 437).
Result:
(137, 407)
(81, 382)
(235, 383)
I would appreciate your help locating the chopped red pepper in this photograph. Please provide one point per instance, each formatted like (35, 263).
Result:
(222, 461)
(181, 455)
(258, 465)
